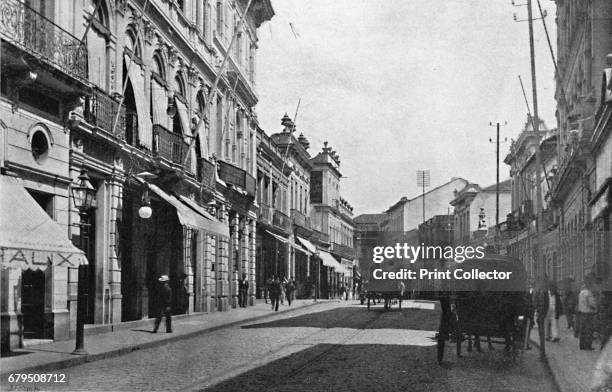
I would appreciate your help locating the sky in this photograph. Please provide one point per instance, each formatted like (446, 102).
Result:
(397, 86)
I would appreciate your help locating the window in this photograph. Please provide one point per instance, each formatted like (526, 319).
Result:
(40, 146)
(97, 46)
(181, 5)
(219, 17)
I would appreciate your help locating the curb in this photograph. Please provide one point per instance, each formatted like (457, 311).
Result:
(79, 360)
(547, 366)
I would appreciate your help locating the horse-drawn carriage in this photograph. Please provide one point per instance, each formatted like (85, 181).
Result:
(492, 308)
(387, 290)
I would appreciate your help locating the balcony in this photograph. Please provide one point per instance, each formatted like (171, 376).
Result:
(343, 250)
(320, 237)
(281, 220)
(168, 145)
(101, 110)
(30, 31)
(265, 214)
(300, 219)
(206, 173)
(233, 175)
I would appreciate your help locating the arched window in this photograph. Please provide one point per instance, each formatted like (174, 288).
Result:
(131, 44)
(179, 90)
(98, 39)
(179, 85)
(159, 99)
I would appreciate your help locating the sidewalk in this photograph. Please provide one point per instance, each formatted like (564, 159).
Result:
(571, 367)
(57, 355)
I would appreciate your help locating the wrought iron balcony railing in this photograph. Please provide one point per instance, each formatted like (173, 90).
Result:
(265, 214)
(101, 110)
(236, 176)
(320, 236)
(206, 173)
(343, 250)
(281, 220)
(300, 219)
(32, 32)
(168, 144)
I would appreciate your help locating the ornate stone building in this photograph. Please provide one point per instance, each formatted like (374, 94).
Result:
(147, 110)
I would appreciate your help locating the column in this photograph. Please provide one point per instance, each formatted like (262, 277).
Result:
(222, 265)
(252, 263)
(187, 266)
(114, 266)
(234, 257)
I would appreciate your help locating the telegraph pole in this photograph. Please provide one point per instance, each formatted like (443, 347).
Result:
(536, 129)
(423, 181)
(497, 175)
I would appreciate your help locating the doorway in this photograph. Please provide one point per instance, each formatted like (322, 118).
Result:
(33, 304)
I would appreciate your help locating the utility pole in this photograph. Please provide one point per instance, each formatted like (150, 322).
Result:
(536, 129)
(497, 176)
(423, 180)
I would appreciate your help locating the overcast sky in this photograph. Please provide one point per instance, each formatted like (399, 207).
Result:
(397, 86)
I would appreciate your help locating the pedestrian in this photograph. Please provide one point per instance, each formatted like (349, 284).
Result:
(290, 290)
(553, 312)
(283, 289)
(267, 289)
(570, 300)
(341, 291)
(530, 313)
(243, 291)
(541, 303)
(164, 304)
(275, 292)
(587, 308)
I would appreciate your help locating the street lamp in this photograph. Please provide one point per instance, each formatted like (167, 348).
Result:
(145, 210)
(83, 196)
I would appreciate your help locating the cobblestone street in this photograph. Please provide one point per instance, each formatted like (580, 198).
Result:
(333, 347)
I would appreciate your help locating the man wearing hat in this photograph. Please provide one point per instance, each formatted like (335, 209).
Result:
(165, 304)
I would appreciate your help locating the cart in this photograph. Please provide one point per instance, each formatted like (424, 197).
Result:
(386, 290)
(496, 309)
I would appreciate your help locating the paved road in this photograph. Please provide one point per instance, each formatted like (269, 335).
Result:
(333, 347)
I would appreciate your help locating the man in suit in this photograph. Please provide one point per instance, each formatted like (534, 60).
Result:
(243, 291)
(164, 298)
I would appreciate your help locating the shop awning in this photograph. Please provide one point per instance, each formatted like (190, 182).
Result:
(214, 226)
(329, 260)
(308, 245)
(190, 218)
(278, 237)
(301, 249)
(347, 266)
(29, 238)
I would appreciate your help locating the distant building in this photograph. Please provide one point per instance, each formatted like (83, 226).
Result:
(367, 231)
(407, 214)
(474, 211)
(332, 215)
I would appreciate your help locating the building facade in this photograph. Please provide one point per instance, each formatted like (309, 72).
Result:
(141, 103)
(331, 214)
(583, 31)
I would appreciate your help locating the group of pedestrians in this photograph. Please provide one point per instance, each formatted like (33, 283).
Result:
(547, 304)
(278, 289)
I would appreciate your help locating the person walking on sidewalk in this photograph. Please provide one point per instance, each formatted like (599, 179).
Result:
(275, 292)
(267, 289)
(164, 304)
(290, 290)
(283, 290)
(553, 313)
(243, 291)
(570, 301)
(587, 308)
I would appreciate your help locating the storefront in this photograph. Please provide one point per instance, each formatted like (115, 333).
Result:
(39, 269)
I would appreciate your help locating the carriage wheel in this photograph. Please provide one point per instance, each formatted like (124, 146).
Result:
(440, 348)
